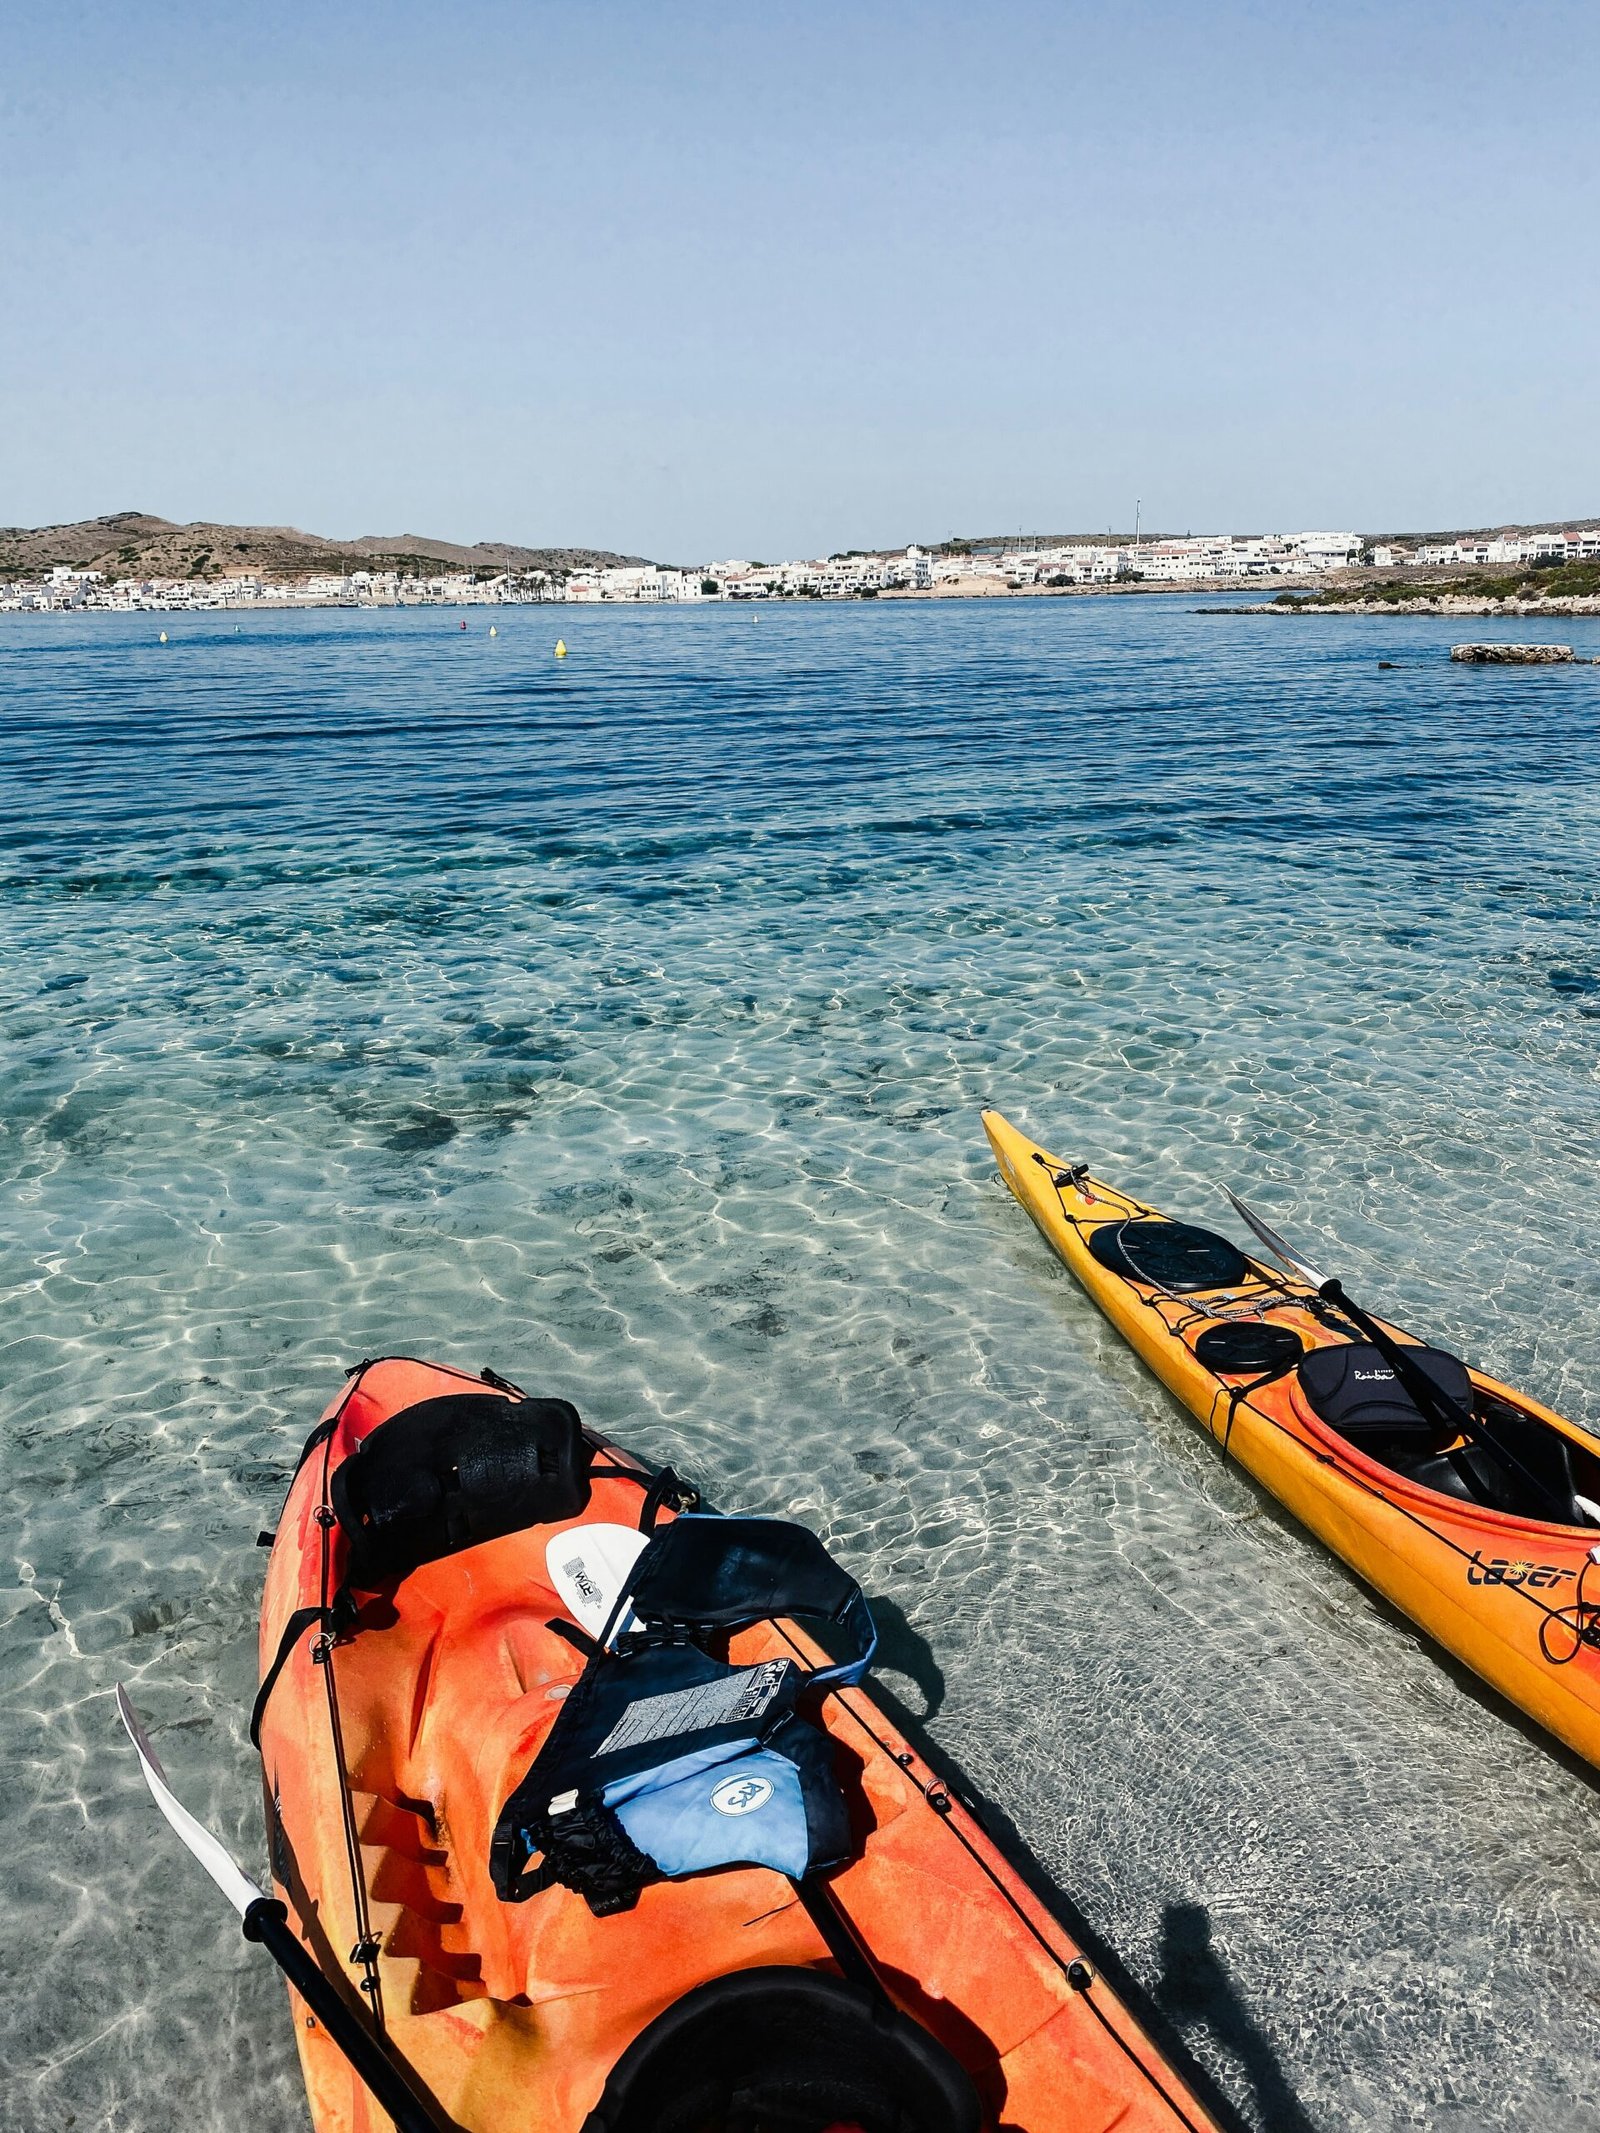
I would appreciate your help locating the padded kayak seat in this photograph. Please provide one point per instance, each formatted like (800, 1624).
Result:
(431, 1480)
(790, 2049)
(1470, 1474)
(1518, 1465)
(666, 1760)
(450, 1473)
(1351, 1388)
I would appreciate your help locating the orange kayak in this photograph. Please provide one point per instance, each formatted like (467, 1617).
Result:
(1486, 1534)
(425, 1703)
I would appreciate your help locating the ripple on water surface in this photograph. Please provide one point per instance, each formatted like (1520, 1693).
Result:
(369, 984)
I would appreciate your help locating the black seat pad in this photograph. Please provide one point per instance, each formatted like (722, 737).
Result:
(1353, 1390)
(1470, 1474)
(1476, 1474)
(453, 1471)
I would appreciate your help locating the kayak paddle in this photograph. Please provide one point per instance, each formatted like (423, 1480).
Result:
(1440, 1408)
(266, 1920)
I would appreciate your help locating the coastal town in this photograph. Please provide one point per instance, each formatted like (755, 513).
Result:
(956, 569)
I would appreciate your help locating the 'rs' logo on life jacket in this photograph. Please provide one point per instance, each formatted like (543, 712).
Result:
(741, 1795)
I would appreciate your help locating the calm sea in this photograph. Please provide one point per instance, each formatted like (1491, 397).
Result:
(623, 1022)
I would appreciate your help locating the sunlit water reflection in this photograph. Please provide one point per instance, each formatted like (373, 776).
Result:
(372, 984)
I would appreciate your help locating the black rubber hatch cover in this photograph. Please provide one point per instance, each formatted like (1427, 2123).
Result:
(1169, 1255)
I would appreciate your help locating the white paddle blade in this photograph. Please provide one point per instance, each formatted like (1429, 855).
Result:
(234, 1883)
(588, 1567)
(1275, 1244)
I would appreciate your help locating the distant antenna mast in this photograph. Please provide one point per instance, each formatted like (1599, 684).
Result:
(1136, 533)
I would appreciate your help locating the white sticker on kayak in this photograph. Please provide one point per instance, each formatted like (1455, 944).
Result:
(725, 1702)
(741, 1795)
(588, 1567)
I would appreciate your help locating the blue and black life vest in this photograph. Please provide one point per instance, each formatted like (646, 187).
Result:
(667, 1760)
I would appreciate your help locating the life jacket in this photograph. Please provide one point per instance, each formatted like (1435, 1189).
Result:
(665, 1759)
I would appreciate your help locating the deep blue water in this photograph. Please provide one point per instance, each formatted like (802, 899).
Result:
(624, 1021)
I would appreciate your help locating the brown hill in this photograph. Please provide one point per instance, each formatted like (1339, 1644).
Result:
(132, 544)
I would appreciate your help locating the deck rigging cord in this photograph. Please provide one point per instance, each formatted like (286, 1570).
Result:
(364, 1955)
(939, 1796)
(1580, 1618)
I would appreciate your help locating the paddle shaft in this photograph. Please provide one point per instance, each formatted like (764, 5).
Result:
(1438, 1406)
(267, 1921)
(840, 1938)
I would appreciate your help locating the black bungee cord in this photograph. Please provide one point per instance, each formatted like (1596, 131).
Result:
(1585, 1630)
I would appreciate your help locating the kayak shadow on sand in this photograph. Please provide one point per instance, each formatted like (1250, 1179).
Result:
(1194, 1989)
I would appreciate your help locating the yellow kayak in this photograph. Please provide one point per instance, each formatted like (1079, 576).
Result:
(1486, 1534)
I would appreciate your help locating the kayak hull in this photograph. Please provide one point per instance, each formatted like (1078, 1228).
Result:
(1507, 1596)
(510, 2016)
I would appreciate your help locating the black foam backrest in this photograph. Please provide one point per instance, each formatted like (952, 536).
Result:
(725, 1572)
(449, 1473)
(1351, 1388)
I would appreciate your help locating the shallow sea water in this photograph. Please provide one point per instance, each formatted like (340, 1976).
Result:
(369, 984)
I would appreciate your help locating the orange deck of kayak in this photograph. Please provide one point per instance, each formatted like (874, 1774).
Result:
(512, 2015)
(1506, 1595)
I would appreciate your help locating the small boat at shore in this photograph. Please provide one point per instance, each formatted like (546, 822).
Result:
(1472, 1507)
(581, 1820)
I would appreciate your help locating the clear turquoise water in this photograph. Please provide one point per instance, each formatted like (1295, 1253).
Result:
(624, 1022)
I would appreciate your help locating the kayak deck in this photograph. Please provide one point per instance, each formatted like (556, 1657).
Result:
(1516, 1598)
(511, 2015)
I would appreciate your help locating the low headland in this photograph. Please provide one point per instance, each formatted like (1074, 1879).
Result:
(1539, 590)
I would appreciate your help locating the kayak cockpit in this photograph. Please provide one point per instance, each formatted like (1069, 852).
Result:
(1512, 1461)
(1474, 1446)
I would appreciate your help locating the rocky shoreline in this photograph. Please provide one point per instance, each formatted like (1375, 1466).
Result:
(1450, 604)
(1513, 655)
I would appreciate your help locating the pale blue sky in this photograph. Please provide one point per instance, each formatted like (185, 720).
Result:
(772, 280)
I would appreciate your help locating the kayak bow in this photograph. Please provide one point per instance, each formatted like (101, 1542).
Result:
(472, 1828)
(1472, 1507)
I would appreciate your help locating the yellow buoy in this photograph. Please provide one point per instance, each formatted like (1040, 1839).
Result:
(163, 636)
(561, 649)
(493, 632)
